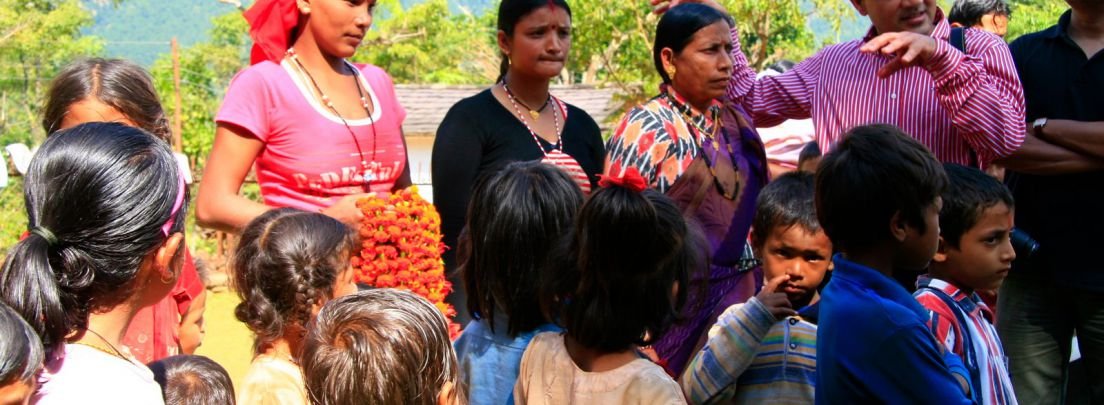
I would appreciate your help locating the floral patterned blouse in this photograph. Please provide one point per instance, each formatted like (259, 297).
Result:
(660, 138)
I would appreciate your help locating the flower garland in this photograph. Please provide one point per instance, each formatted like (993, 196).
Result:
(401, 248)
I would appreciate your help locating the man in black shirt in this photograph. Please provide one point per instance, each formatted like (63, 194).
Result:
(1060, 289)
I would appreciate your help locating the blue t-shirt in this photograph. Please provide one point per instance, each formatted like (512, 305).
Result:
(876, 347)
(489, 361)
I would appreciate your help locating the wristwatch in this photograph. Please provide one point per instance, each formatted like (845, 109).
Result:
(1038, 126)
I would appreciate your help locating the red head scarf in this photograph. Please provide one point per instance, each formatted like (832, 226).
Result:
(270, 25)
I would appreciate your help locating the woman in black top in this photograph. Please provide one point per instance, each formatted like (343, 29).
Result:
(517, 119)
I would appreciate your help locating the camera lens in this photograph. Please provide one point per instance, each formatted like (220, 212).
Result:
(1024, 244)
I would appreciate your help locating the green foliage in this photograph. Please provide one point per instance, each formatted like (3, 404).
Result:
(771, 30)
(37, 38)
(1033, 15)
(205, 71)
(612, 46)
(13, 218)
(425, 43)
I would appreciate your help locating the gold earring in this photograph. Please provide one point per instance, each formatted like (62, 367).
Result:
(170, 281)
(671, 72)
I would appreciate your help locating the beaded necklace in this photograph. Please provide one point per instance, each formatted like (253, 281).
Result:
(329, 104)
(685, 113)
(556, 156)
(555, 121)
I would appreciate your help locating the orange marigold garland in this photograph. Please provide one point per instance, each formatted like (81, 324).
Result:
(401, 248)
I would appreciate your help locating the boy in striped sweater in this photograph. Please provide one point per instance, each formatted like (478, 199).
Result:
(975, 253)
(764, 351)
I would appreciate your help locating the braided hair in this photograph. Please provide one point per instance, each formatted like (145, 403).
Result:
(286, 262)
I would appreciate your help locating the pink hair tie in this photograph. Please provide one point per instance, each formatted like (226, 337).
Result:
(176, 205)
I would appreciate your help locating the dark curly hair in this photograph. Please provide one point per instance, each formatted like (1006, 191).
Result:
(609, 278)
(287, 261)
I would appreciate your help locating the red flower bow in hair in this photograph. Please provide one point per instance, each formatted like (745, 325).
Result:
(270, 26)
(629, 179)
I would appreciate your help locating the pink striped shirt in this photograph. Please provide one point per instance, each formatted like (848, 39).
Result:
(967, 108)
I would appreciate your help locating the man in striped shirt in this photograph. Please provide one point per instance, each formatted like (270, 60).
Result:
(974, 253)
(967, 108)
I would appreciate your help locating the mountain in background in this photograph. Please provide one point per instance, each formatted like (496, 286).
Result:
(140, 30)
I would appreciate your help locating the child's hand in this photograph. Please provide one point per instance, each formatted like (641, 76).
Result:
(777, 303)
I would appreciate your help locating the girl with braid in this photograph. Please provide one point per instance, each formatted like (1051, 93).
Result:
(287, 265)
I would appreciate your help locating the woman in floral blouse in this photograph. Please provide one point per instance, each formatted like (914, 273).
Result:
(691, 144)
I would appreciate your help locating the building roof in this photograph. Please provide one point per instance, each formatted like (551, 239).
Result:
(426, 105)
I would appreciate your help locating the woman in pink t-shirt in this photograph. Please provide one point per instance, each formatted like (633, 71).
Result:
(321, 132)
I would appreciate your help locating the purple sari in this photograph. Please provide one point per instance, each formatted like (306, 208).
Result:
(722, 202)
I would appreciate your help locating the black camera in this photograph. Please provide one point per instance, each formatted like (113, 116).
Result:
(1024, 244)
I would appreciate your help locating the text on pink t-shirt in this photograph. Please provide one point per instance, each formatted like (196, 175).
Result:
(310, 159)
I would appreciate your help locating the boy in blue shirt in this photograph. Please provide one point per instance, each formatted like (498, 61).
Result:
(878, 199)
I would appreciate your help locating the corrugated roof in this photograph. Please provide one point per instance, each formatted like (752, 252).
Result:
(426, 105)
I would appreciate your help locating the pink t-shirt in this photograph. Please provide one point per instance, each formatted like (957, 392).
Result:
(310, 159)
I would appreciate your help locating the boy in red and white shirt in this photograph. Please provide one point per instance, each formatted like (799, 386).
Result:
(975, 253)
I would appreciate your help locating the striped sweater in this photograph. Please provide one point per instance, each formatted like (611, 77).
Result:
(751, 358)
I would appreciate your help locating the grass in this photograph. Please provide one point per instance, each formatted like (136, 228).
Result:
(228, 342)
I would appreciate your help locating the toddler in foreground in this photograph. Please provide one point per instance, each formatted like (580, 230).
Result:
(287, 265)
(617, 285)
(383, 346)
(764, 351)
(188, 379)
(513, 219)
(21, 358)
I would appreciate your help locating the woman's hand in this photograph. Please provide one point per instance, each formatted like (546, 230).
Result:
(345, 209)
(661, 6)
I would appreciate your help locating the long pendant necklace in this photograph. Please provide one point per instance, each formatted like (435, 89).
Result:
(555, 120)
(684, 112)
(366, 174)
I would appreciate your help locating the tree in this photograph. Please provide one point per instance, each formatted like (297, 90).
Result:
(425, 43)
(612, 42)
(1033, 15)
(37, 38)
(205, 72)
